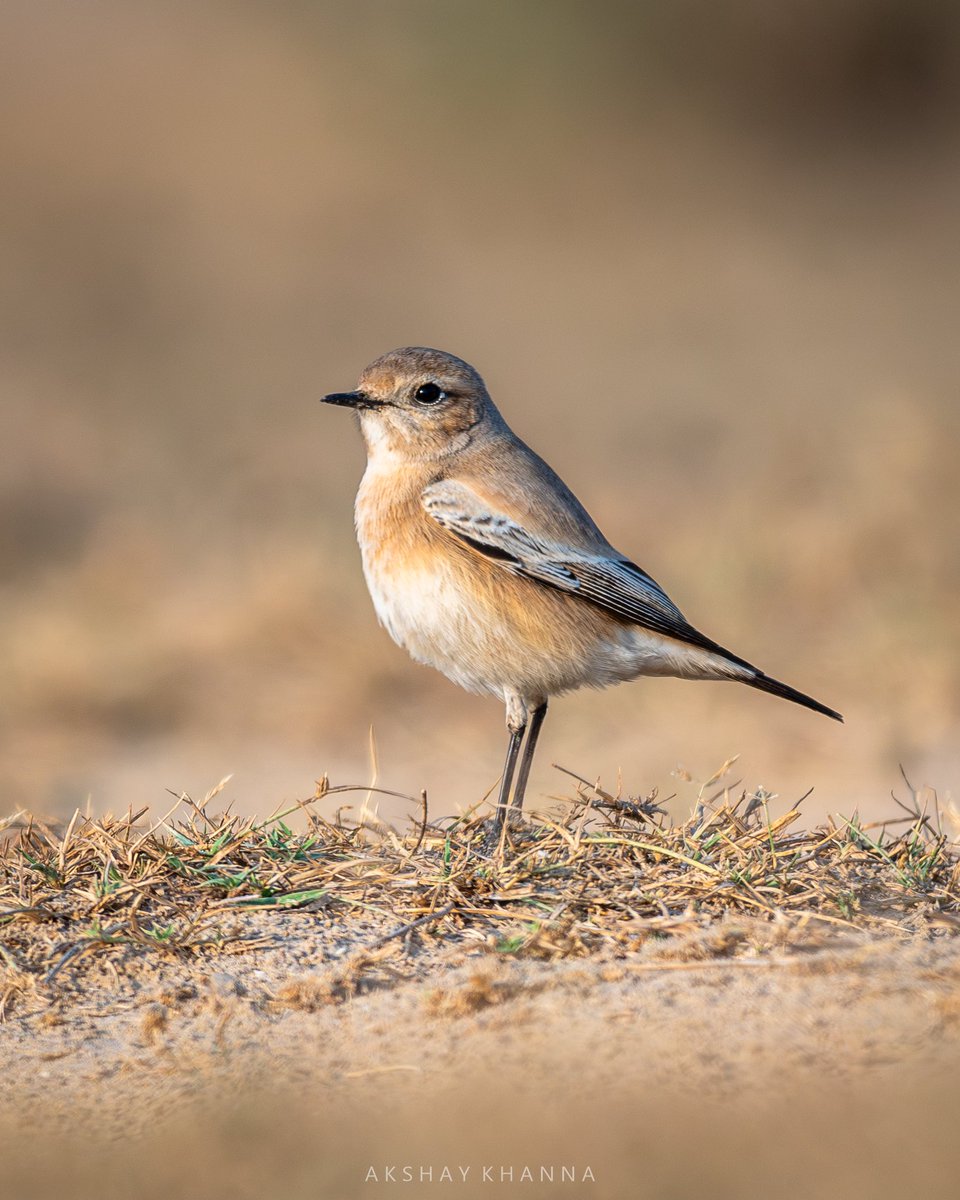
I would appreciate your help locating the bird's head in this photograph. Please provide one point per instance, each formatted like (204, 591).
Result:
(420, 404)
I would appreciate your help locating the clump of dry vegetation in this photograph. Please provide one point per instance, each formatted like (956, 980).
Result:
(602, 873)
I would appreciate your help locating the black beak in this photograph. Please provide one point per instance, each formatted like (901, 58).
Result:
(345, 399)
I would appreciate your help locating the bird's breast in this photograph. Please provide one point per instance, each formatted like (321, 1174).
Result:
(485, 627)
(421, 585)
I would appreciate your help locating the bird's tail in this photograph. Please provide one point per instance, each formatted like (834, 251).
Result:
(765, 684)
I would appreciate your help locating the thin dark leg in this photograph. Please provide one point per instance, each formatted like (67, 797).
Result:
(509, 766)
(536, 720)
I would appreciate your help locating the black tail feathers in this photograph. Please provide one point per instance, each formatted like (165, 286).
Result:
(765, 684)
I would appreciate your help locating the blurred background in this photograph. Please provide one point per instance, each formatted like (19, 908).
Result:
(707, 259)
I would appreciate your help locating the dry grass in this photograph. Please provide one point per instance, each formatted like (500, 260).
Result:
(602, 873)
(693, 976)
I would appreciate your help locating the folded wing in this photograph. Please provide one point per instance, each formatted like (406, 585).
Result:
(602, 578)
(614, 584)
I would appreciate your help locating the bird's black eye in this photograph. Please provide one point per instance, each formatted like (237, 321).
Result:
(429, 393)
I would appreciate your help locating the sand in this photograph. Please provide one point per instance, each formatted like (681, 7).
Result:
(305, 1063)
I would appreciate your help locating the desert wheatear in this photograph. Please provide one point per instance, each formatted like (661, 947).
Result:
(483, 564)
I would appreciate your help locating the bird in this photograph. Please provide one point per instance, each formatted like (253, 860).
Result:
(482, 563)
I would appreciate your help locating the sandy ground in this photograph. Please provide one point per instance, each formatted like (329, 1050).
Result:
(305, 1063)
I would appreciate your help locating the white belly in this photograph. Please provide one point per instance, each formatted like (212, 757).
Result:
(501, 643)
(427, 612)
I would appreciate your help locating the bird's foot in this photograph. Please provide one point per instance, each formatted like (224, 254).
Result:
(500, 832)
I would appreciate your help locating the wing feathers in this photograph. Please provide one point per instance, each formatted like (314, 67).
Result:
(613, 584)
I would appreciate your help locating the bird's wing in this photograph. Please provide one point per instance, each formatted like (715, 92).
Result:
(612, 583)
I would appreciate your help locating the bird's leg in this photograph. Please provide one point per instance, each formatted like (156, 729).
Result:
(536, 721)
(513, 749)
